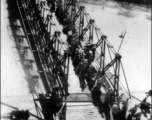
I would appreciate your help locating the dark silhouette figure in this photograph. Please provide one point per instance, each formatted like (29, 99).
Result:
(120, 113)
(106, 110)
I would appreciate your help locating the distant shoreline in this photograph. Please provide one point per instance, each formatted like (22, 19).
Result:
(99, 2)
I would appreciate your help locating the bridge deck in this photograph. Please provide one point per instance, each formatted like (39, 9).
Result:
(83, 112)
(81, 108)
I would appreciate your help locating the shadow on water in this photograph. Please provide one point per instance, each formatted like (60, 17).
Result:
(126, 14)
(13, 16)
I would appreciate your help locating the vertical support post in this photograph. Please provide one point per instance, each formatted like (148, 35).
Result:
(43, 12)
(102, 59)
(50, 29)
(57, 46)
(117, 70)
(81, 23)
(63, 4)
(91, 31)
(68, 67)
(55, 34)
(103, 48)
(49, 24)
(67, 76)
(73, 9)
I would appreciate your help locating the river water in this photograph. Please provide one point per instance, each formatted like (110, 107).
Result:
(112, 18)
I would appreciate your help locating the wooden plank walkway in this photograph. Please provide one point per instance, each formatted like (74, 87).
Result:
(87, 112)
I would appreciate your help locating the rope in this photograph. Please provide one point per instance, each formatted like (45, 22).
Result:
(110, 56)
(140, 101)
(130, 101)
(125, 78)
(122, 41)
(124, 88)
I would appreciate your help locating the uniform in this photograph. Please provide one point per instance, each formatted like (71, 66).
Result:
(119, 114)
(90, 76)
(82, 72)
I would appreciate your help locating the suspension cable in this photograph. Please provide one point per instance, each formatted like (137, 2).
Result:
(124, 88)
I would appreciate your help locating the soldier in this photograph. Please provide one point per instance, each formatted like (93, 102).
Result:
(59, 13)
(90, 57)
(52, 3)
(145, 107)
(90, 47)
(90, 74)
(25, 115)
(81, 72)
(40, 5)
(96, 93)
(74, 44)
(69, 37)
(120, 113)
(137, 116)
(74, 30)
(132, 112)
(76, 59)
(79, 55)
(107, 104)
(44, 7)
(149, 93)
(92, 83)
(68, 52)
(66, 29)
(109, 97)
(20, 115)
(106, 109)
(75, 38)
(67, 21)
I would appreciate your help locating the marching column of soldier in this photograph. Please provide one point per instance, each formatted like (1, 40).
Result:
(82, 59)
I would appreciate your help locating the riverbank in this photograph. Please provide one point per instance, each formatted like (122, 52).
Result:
(146, 3)
(136, 1)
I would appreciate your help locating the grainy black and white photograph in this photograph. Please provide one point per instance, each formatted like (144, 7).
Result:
(76, 60)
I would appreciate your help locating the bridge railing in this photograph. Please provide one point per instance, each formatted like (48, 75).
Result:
(107, 60)
(48, 43)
